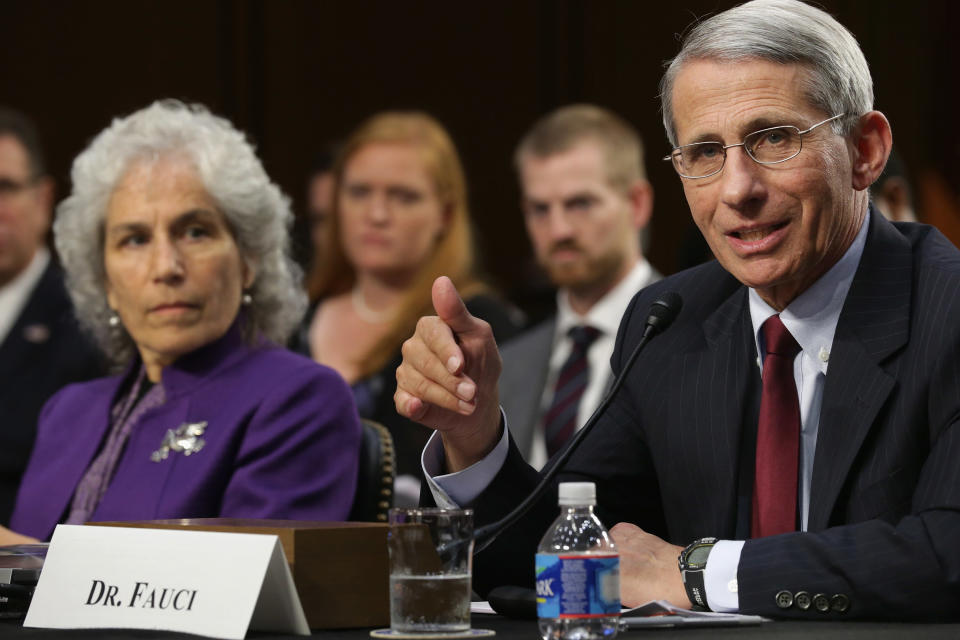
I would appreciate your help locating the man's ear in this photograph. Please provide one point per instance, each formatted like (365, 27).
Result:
(872, 141)
(640, 195)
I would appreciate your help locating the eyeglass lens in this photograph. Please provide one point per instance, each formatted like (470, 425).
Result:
(773, 145)
(768, 146)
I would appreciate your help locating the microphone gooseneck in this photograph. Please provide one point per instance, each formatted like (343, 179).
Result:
(663, 311)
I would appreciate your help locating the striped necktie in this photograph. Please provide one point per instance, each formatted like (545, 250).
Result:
(560, 420)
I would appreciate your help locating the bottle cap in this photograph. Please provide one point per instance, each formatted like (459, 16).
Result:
(578, 493)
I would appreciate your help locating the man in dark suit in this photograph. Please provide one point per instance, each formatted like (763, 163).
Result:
(804, 407)
(586, 201)
(41, 348)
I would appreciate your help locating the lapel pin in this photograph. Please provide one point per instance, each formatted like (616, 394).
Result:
(36, 333)
(184, 439)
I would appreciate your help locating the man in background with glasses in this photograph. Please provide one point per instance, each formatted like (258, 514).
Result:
(789, 445)
(41, 348)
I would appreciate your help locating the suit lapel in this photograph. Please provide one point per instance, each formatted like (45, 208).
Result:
(35, 320)
(717, 405)
(12, 352)
(139, 480)
(873, 325)
(523, 380)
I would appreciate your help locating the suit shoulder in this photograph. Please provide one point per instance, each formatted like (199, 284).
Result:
(78, 397)
(52, 282)
(505, 320)
(279, 365)
(87, 388)
(702, 289)
(931, 249)
(935, 296)
(533, 338)
(48, 300)
(936, 268)
(270, 380)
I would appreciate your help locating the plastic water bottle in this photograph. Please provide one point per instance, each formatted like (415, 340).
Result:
(578, 571)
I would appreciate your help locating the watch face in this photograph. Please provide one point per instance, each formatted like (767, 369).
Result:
(698, 556)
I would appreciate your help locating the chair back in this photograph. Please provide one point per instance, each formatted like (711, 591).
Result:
(375, 475)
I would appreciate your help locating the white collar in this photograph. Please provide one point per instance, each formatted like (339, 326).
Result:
(606, 314)
(14, 295)
(812, 316)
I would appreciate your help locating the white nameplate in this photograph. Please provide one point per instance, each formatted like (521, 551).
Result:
(211, 584)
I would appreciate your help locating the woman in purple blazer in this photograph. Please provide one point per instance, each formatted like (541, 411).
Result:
(175, 244)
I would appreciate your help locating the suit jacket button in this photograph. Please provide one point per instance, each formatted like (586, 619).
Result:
(840, 603)
(784, 599)
(821, 602)
(802, 600)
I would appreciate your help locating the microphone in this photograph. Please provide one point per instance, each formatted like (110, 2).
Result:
(663, 311)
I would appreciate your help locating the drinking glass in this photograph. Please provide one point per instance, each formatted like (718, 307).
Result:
(431, 558)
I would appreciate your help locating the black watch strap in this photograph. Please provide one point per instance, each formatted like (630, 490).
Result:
(693, 563)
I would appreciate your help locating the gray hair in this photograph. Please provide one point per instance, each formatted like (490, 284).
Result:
(785, 32)
(256, 210)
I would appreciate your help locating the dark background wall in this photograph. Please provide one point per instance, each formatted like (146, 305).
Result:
(298, 73)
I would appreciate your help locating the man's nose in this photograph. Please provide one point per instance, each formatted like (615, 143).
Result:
(559, 223)
(740, 179)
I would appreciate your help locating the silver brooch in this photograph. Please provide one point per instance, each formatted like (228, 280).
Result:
(184, 439)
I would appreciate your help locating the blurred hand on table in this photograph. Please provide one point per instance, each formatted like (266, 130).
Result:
(8, 538)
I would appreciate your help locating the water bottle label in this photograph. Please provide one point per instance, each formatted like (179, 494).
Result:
(578, 586)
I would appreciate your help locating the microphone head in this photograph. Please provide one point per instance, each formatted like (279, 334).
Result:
(663, 311)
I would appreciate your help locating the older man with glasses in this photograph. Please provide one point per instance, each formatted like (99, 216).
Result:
(789, 446)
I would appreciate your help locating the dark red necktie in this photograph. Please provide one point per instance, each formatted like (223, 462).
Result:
(778, 436)
(560, 420)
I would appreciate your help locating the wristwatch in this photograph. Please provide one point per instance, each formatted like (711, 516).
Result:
(693, 562)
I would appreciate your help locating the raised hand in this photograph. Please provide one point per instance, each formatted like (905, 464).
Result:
(448, 378)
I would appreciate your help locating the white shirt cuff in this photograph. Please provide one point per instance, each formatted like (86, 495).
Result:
(720, 576)
(459, 489)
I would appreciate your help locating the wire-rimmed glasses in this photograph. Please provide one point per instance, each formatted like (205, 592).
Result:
(766, 146)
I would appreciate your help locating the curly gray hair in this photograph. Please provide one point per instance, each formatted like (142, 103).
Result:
(256, 210)
(785, 32)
